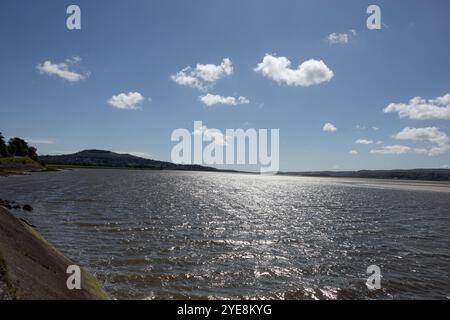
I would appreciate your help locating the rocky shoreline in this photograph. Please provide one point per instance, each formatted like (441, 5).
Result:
(32, 269)
(14, 205)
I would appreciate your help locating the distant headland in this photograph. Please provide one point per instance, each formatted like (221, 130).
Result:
(109, 159)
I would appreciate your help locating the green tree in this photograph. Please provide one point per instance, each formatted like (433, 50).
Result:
(19, 148)
(32, 153)
(3, 147)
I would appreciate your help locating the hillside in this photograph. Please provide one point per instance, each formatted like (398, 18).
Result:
(103, 158)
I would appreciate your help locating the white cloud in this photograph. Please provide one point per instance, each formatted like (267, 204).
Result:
(203, 76)
(341, 38)
(363, 141)
(338, 38)
(375, 128)
(131, 100)
(379, 142)
(62, 70)
(329, 127)
(439, 142)
(310, 72)
(39, 141)
(395, 149)
(74, 60)
(354, 152)
(422, 109)
(211, 99)
(438, 150)
(444, 100)
(445, 166)
(432, 135)
(61, 152)
(428, 134)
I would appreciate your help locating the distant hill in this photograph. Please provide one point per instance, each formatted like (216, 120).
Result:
(108, 159)
(103, 158)
(411, 174)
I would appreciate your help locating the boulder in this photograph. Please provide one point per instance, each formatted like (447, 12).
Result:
(27, 207)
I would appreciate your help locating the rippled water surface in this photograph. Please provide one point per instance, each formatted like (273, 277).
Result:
(161, 235)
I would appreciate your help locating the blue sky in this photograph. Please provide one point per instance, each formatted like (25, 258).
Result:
(135, 46)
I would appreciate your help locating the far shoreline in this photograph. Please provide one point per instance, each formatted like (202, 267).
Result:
(381, 183)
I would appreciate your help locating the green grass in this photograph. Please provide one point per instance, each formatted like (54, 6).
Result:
(18, 165)
(21, 160)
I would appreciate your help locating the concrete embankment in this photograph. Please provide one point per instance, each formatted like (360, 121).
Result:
(32, 269)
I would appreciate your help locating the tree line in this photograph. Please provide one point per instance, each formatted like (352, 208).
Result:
(16, 147)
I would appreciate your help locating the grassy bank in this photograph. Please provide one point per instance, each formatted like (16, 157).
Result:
(19, 165)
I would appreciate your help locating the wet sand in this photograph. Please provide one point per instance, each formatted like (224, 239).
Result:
(412, 185)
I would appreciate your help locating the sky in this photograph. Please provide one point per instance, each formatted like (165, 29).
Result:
(343, 97)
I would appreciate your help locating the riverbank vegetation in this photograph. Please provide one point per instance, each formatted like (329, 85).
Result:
(17, 157)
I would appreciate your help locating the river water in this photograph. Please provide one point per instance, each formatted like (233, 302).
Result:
(199, 235)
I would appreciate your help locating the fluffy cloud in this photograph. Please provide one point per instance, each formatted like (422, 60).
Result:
(62, 70)
(354, 152)
(203, 76)
(363, 141)
(438, 140)
(310, 72)
(422, 109)
(329, 127)
(428, 134)
(341, 38)
(211, 99)
(432, 135)
(338, 38)
(131, 100)
(395, 149)
(438, 150)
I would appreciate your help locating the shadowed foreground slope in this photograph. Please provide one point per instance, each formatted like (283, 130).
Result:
(32, 269)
